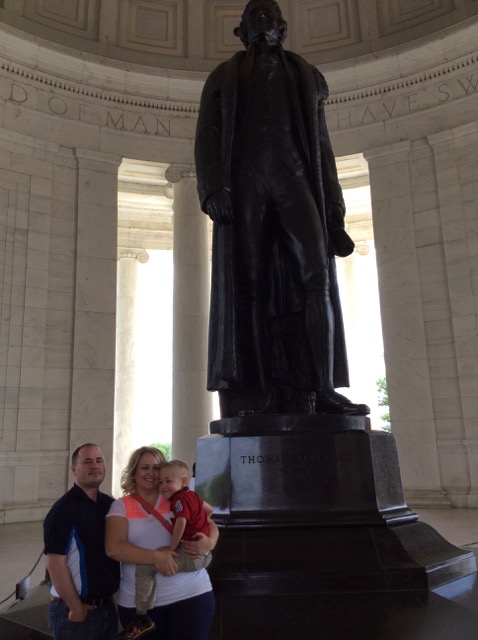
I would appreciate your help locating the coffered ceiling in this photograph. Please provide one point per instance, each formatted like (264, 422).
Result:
(196, 34)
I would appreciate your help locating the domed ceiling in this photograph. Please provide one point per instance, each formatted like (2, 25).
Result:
(194, 35)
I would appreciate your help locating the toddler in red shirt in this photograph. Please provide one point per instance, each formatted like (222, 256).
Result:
(190, 512)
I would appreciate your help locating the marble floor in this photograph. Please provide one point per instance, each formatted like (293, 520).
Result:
(20, 548)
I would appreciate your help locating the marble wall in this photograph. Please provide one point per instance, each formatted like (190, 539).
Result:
(425, 219)
(66, 122)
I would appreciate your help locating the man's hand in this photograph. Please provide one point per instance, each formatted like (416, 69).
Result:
(62, 580)
(342, 243)
(219, 207)
(79, 613)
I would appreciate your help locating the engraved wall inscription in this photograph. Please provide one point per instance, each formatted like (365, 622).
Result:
(344, 111)
(421, 98)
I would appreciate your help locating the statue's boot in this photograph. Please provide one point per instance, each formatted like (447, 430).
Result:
(260, 405)
(327, 400)
(319, 325)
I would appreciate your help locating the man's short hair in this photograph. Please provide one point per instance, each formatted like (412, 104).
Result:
(74, 457)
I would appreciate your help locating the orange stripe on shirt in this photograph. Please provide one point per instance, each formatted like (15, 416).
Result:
(134, 510)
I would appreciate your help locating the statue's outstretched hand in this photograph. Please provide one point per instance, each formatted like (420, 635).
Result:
(342, 243)
(219, 207)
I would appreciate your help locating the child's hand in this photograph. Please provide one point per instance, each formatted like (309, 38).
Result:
(197, 547)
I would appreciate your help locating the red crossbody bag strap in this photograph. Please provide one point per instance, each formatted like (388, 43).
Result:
(167, 525)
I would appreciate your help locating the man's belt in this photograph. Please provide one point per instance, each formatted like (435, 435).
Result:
(97, 602)
(94, 602)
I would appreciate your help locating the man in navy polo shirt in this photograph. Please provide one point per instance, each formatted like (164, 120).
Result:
(83, 578)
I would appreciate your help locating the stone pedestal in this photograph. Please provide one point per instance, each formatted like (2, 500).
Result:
(300, 470)
(313, 505)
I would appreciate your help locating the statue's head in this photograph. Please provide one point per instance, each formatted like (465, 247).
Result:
(262, 19)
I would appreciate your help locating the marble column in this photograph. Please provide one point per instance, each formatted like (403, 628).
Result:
(361, 310)
(125, 379)
(92, 395)
(192, 403)
(401, 204)
(453, 252)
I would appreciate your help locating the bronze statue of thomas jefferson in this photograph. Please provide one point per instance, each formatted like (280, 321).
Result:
(267, 178)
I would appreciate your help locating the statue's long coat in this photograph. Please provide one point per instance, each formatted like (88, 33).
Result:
(227, 367)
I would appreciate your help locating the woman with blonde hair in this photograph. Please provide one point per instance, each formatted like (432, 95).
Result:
(137, 530)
